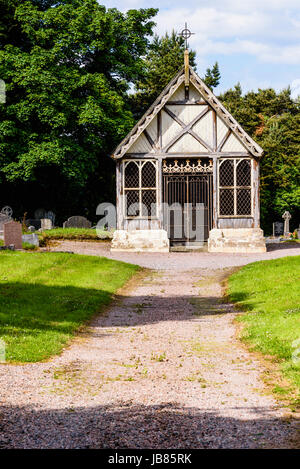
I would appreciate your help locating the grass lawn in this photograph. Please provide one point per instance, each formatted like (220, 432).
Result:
(46, 297)
(269, 292)
(79, 234)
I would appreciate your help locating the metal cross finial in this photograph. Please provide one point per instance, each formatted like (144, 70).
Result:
(186, 34)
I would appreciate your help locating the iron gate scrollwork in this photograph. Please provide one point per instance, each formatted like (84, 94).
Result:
(188, 200)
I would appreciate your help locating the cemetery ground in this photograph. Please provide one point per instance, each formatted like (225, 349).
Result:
(162, 366)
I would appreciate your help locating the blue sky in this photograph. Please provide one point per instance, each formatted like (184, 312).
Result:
(256, 42)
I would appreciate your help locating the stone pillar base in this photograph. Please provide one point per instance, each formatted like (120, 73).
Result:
(239, 240)
(140, 241)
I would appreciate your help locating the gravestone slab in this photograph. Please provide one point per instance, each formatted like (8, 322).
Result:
(77, 222)
(51, 215)
(3, 219)
(278, 228)
(13, 234)
(31, 239)
(46, 224)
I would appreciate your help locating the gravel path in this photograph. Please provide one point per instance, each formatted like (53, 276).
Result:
(178, 260)
(160, 369)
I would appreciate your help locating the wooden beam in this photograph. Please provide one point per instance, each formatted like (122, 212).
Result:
(199, 154)
(215, 138)
(187, 102)
(215, 193)
(187, 129)
(224, 139)
(149, 138)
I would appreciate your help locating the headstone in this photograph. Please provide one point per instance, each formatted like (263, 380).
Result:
(31, 229)
(33, 222)
(278, 228)
(13, 234)
(46, 224)
(77, 222)
(51, 216)
(31, 239)
(286, 216)
(7, 210)
(3, 219)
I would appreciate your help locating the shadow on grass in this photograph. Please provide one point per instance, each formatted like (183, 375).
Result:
(37, 320)
(41, 307)
(124, 425)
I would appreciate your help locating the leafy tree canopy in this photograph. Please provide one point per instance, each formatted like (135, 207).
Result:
(67, 65)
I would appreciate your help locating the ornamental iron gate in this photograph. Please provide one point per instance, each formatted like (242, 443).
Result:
(188, 201)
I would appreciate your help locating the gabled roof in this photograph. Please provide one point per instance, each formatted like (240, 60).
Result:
(208, 96)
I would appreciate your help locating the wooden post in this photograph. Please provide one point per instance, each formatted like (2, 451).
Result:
(186, 73)
(255, 194)
(215, 189)
(119, 195)
(159, 193)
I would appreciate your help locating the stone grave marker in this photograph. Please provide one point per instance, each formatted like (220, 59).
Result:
(46, 224)
(286, 216)
(13, 234)
(3, 219)
(31, 239)
(7, 210)
(51, 215)
(77, 222)
(278, 228)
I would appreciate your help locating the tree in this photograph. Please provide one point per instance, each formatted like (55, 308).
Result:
(273, 120)
(212, 76)
(163, 60)
(68, 65)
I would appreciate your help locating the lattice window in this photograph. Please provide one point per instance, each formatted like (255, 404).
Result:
(140, 188)
(226, 174)
(235, 193)
(243, 173)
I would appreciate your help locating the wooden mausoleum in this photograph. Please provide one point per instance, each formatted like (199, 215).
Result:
(188, 167)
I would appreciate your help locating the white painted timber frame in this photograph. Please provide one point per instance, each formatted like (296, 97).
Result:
(210, 99)
(140, 163)
(235, 187)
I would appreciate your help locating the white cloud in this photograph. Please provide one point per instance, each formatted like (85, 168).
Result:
(272, 39)
(266, 31)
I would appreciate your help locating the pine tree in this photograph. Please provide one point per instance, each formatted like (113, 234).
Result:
(212, 76)
(163, 60)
